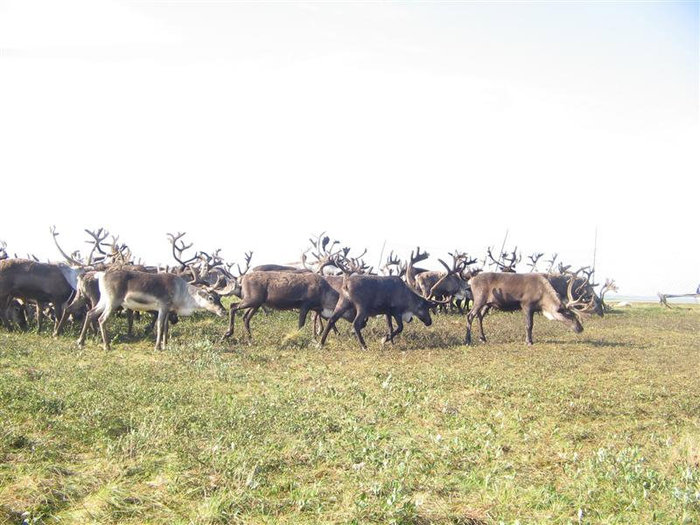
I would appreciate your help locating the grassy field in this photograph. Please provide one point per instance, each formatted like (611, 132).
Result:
(601, 427)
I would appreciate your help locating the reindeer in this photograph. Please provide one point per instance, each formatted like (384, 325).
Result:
(16, 313)
(530, 292)
(146, 292)
(451, 284)
(305, 291)
(411, 271)
(370, 295)
(609, 286)
(37, 282)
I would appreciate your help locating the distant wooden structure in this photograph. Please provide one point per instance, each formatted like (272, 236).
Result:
(664, 296)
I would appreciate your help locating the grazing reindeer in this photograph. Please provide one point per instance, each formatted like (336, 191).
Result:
(609, 286)
(530, 292)
(16, 313)
(146, 292)
(370, 295)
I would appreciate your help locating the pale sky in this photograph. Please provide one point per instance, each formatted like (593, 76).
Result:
(252, 126)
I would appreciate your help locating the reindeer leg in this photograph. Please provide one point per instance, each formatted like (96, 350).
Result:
(166, 330)
(4, 306)
(246, 320)
(318, 324)
(474, 312)
(129, 322)
(529, 317)
(399, 328)
(390, 336)
(151, 323)
(75, 305)
(357, 324)
(58, 310)
(39, 317)
(232, 315)
(343, 306)
(104, 317)
(161, 328)
(480, 317)
(89, 320)
(303, 313)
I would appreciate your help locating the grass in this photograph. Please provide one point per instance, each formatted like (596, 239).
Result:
(601, 427)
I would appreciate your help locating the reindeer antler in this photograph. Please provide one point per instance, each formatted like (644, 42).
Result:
(72, 260)
(533, 261)
(248, 256)
(179, 249)
(97, 242)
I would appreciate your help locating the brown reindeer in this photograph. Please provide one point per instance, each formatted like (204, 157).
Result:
(412, 271)
(531, 292)
(305, 291)
(450, 284)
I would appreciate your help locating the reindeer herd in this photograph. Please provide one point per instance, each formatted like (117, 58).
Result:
(329, 281)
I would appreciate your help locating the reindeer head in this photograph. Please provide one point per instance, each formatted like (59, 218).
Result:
(581, 297)
(207, 299)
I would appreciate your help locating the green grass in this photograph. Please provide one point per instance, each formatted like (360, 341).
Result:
(601, 427)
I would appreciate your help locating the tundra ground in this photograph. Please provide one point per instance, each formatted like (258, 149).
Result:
(601, 427)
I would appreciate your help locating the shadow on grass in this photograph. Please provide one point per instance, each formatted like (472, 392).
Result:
(596, 343)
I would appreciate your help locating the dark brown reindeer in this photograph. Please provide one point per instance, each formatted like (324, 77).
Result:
(371, 295)
(36, 282)
(553, 295)
(148, 292)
